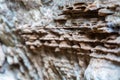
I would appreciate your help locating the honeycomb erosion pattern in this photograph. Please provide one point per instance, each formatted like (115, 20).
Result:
(59, 40)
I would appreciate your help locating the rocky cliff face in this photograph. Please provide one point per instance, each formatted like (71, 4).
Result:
(59, 40)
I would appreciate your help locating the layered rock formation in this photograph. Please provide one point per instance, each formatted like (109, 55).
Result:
(59, 40)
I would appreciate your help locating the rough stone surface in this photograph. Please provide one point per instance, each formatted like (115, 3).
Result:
(59, 40)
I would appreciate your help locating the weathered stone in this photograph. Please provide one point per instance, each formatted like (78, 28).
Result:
(63, 40)
(2, 57)
(105, 12)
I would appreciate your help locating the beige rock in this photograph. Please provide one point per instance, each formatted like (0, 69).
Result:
(105, 12)
(53, 44)
(64, 44)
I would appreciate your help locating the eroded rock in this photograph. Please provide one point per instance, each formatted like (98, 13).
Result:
(63, 40)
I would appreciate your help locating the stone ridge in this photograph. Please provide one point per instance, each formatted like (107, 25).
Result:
(59, 40)
(83, 29)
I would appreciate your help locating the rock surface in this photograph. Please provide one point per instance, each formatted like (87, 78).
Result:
(59, 40)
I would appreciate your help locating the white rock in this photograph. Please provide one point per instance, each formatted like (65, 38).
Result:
(2, 56)
(10, 60)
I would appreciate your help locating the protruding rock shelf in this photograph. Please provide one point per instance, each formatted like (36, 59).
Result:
(59, 40)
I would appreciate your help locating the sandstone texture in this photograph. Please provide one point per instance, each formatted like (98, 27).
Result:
(59, 40)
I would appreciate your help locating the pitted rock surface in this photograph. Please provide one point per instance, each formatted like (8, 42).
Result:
(59, 40)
